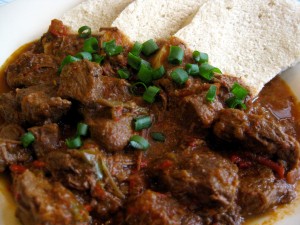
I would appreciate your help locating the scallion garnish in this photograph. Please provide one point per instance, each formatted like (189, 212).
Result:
(200, 57)
(68, 59)
(192, 69)
(142, 122)
(158, 73)
(157, 136)
(84, 31)
(234, 102)
(137, 48)
(211, 93)
(145, 73)
(82, 129)
(111, 48)
(84, 55)
(27, 139)
(149, 47)
(74, 142)
(239, 91)
(134, 61)
(98, 58)
(176, 55)
(179, 75)
(123, 73)
(90, 45)
(150, 93)
(207, 71)
(138, 88)
(139, 142)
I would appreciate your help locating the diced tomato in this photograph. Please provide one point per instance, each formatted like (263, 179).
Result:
(19, 169)
(57, 28)
(166, 164)
(38, 164)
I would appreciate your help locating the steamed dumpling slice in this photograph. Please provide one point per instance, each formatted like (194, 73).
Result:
(254, 40)
(145, 19)
(94, 13)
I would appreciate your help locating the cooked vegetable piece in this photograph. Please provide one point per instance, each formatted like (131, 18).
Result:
(27, 139)
(84, 31)
(176, 55)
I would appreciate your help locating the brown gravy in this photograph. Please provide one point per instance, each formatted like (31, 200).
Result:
(287, 110)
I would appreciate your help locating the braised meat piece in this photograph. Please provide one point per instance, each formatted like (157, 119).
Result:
(257, 134)
(260, 190)
(200, 177)
(40, 103)
(112, 134)
(32, 69)
(47, 139)
(153, 208)
(11, 149)
(83, 81)
(42, 202)
(10, 109)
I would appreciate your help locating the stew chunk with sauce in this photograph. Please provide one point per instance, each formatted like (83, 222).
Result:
(99, 130)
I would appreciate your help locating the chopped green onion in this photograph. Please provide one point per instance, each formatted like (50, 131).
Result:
(157, 136)
(90, 45)
(138, 88)
(158, 73)
(84, 55)
(150, 93)
(27, 139)
(192, 69)
(137, 48)
(68, 59)
(74, 142)
(179, 75)
(176, 55)
(145, 73)
(239, 91)
(84, 31)
(207, 71)
(82, 129)
(139, 142)
(134, 61)
(98, 58)
(235, 102)
(142, 122)
(200, 57)
(149, 47)
(211, 93)
(111, 48)
(123, 73)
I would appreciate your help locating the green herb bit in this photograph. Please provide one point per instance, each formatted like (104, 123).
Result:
(84, 31)
(176, 55)
(211, 93)
(179, 75)
(27, 139)
(207, 71)
(139, 142)
(149, 47)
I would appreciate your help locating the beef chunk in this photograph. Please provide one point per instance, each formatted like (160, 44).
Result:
(32, 69)
(76, 169)
(47, 139)
(11, 150)
(260, 190)
(112, 134)
(200, 110)
(83, 81)
(257, 134)
(200, 177)
(10, 109)
(39, 103)
(156, 208)
(42, 202)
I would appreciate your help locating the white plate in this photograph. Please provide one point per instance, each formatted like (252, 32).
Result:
(22, 21)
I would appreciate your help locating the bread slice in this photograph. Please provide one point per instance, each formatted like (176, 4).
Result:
(254, 40)
(145, 19)
(94, 13)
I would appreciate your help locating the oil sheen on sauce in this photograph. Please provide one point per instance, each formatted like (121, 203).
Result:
(283, 110)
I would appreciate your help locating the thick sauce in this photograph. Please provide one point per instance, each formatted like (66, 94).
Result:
(276, 97)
